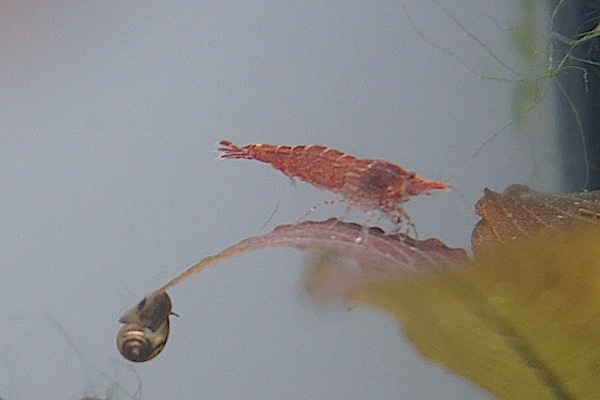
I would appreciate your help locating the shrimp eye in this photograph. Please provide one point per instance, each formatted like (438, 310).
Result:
(411, 174)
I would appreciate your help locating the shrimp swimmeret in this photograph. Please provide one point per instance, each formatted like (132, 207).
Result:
(366, 184)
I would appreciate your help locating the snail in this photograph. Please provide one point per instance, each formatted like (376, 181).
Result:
(146, 328)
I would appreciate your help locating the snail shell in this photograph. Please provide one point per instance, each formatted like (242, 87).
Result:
(146, 328)
(139, 343)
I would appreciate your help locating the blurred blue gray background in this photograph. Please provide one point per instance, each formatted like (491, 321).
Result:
(110, 117)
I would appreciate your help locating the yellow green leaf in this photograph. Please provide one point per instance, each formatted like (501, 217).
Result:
(523, 321)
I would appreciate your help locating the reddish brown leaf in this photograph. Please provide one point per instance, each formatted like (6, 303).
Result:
(372, 248)
(520, 211)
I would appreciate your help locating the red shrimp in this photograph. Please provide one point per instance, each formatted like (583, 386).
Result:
(366, 184)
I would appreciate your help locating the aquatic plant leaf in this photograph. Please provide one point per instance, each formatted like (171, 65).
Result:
(522, 321)
(520, 211)
(372, 248)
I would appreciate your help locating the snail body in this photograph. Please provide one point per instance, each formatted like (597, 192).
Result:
(146, 328)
